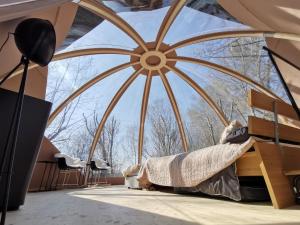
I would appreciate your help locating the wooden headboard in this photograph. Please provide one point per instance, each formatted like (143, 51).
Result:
(286, 129)
(276, 161)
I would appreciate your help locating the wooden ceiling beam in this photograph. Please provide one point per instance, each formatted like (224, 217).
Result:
(168, 21)
(225, 70)
(201, 92)
(82, 52)
(109, 109)
(85, 87)
(101, 10)
(147, 88)
(175, 109)
(232, 34)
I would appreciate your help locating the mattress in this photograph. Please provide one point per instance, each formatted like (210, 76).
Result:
(210, 170)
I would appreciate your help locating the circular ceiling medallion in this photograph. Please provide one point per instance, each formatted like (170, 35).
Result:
(153, 60)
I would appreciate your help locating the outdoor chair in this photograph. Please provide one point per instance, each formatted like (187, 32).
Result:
(67, 166)
(101, 169)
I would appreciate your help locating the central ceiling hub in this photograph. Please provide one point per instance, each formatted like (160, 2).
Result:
(153, 60)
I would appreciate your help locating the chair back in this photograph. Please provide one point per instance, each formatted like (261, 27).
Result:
(94, 166)
(62, 165)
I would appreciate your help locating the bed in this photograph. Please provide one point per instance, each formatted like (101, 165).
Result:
(264, 156)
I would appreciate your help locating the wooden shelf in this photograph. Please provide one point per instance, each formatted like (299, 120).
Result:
(292, 172)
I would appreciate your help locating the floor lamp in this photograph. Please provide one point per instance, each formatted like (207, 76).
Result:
(36, 40)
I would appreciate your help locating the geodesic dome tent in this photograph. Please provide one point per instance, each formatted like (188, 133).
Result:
(170, 51)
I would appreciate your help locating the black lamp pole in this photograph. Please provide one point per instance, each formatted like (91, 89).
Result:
(10, 146)
(36, 40)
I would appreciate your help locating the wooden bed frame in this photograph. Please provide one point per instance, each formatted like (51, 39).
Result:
(276, 162)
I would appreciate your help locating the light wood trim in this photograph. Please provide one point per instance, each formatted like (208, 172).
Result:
(266, 128)
(261, 101)
(288, 121)
(278, 184)
(201, 92)
(93, 51)
(248, 165)
(108, 14)
(109, 109)
(168, 21)
(279, 35)
(175, 109)
(82, 52)
(227, 71)
(86, 86)
(143, 115)
(292, 172)
(232, 34)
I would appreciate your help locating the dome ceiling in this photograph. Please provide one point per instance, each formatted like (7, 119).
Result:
(157, 58)
(86, 21)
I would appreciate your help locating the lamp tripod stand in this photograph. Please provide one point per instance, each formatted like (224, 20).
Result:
(7, 159)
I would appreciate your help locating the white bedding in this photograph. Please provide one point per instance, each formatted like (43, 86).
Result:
(190, 169)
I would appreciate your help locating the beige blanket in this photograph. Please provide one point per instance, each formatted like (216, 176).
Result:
(190, 169)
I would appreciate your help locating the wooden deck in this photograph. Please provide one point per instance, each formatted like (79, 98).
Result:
(117, 205)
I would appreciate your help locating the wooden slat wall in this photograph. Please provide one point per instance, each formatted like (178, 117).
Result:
(266, 128)
(262, 101)
(248, 165)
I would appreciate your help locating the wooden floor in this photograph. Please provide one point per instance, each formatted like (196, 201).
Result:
(120, 206)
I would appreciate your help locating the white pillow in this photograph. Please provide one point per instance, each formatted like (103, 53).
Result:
(131, 171)
(231, 127)
(100, 163)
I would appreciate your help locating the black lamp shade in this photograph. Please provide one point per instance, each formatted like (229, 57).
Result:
(36, 40)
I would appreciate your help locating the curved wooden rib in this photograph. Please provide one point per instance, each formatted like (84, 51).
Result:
(93, 51)
(143, 115)
(86, 86)
(84, 52)
(232, 34)
(108, 14)
(201, 92)
(227, 71)
(175, 109)
(168, 21)
(109, 109)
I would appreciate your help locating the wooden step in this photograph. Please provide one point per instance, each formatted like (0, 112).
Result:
(292, 172)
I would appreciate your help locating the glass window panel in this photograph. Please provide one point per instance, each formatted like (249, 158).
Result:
(139, 5)
(190, 23)
(66, 76)
(244, 55)
(89, 105)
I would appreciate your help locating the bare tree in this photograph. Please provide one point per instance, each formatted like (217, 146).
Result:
(91, 126)
(63, 123)
(57, 89)
(130, 144)
(112, 130)
(165, 138)
(79, 145)
(241, 54)
(203, 126)
(106, 148)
